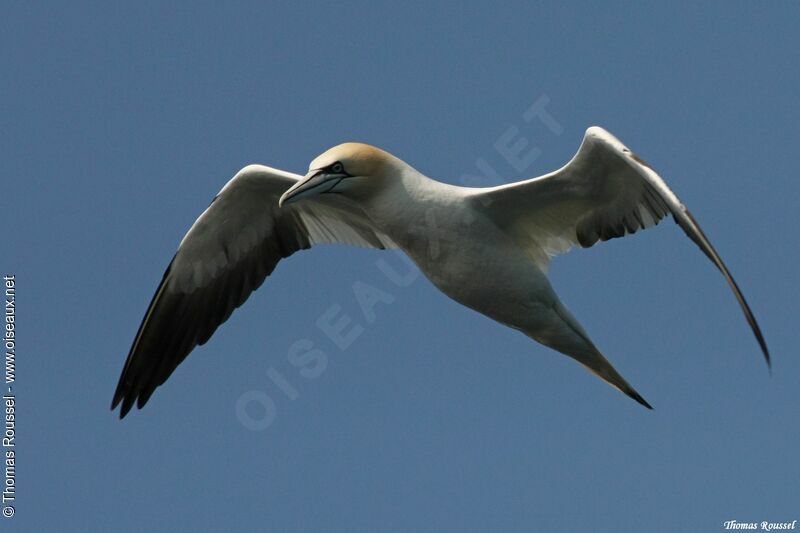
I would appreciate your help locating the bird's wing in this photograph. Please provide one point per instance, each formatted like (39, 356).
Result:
(605, 191)
(226, 255)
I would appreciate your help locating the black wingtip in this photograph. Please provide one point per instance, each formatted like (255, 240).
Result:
(690, 226)
(638, 397)
(127, 404)
(122, 411)
(765, 351)
(119, 396)
(751, 320)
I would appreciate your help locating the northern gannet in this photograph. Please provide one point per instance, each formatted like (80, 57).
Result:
(492, 255)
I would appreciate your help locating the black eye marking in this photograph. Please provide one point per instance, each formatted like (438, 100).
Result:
(337, 167)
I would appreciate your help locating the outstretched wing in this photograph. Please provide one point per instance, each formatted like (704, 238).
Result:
(605, 191)
(228, 252)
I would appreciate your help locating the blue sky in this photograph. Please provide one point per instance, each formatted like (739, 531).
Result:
(121, 121)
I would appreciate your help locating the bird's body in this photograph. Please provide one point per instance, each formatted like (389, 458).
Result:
(463, 252)
(460, 248)
(488, 249)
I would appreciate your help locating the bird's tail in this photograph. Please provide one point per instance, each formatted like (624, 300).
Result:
(562, 332)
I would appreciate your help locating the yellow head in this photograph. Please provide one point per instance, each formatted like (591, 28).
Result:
(352, 169)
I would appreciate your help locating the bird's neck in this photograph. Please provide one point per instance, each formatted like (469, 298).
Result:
(409, 198)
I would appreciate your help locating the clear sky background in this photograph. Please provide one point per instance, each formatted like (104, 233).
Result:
(120, 123)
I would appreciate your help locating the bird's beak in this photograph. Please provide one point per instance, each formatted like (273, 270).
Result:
(314, 183)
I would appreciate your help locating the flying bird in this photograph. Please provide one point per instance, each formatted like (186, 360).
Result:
(493, 244)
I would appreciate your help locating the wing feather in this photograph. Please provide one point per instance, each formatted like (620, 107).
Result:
(226, 255)
(605, 191)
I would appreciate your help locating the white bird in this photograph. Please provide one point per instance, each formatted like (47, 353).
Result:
(491, 253)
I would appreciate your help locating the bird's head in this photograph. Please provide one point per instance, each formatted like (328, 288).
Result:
(355, 170)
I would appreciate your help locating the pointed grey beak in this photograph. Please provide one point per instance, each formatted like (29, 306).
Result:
(314, 183)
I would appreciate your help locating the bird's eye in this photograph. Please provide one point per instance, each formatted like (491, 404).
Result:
(337, 168)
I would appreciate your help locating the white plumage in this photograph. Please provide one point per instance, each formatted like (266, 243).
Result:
(487, 248)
